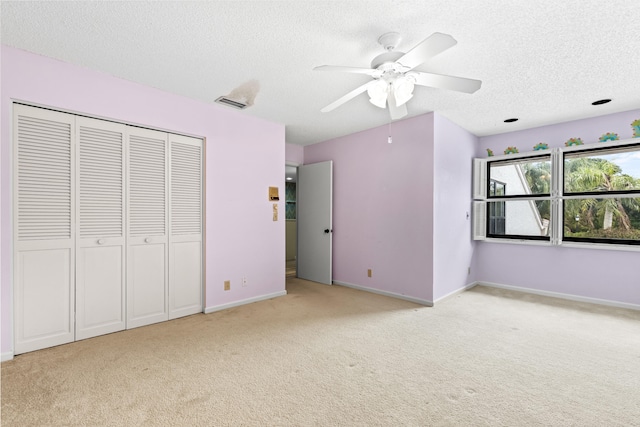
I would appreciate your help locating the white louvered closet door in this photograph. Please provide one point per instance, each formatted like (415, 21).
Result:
(100, 250)
(147, 239)
(185, 238)
(44, 228)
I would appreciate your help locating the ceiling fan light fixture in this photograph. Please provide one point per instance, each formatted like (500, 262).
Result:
(378, 93)
(403, 89)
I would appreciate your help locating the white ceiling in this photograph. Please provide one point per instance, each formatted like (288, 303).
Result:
(543, 61)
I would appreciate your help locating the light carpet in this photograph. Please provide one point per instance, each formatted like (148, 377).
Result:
(335, 356)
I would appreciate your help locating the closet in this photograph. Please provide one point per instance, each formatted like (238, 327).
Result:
(107, 227)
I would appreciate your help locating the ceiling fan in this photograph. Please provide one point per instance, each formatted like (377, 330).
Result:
(394, 78)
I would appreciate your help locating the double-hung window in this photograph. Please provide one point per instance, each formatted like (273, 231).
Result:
(579, 194)
(601, 195)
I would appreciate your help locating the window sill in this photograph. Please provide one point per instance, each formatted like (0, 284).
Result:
(517, 241)
(573, 245)
(601, 246)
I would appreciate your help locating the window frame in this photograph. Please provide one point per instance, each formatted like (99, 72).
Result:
(557, 197)
(599, 195)
(532, 198)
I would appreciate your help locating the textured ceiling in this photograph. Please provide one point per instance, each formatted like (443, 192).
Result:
(541, 61)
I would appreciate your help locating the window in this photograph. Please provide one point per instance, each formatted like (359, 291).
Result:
(518, 198)
(602, 195)
(575, 194)
(497, 209)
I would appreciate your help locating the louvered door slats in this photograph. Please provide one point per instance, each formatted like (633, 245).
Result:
(186, 188)
(147, 204)
(100, 178)
(43, 179)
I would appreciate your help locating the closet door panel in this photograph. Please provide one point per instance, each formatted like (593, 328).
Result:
(185, 255)
(147, 240)
(147, 303)
(44, 249)
(185, 289)
(100, 299)
(43, 299)
(100, 280)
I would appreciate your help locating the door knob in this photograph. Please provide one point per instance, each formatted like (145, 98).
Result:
(147, 240)
(101, 241)
(327, 231)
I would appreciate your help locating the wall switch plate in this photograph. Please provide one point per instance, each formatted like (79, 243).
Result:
(369, 273)
(273, 193)
(227, 285)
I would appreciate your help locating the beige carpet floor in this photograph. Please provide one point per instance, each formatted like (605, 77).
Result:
(334, 356)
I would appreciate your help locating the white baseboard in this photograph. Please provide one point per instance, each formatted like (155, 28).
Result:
(456, 292)
(6, 356)
(215, 308)
(562, 296)
(385, 293)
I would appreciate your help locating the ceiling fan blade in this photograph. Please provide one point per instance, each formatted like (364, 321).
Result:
(394, 111)
(427, 49)
(460, 84)
(348, 97)
(367, 71)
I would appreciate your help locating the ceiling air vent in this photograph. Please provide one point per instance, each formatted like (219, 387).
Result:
(231, 103)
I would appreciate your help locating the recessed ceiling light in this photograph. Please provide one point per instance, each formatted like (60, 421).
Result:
(600, 102)
(511, 120)
(289, 178)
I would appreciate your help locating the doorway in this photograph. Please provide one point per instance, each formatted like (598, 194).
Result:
(291, 226)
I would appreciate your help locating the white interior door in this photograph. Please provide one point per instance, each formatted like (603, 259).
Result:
(315, 227)
(147, 240)
(100, 275)
(44, 248)
(185, 237)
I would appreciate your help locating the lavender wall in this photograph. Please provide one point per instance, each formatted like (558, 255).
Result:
(452, 245)
(383, 205)
(592, 273)
(589, 130)
(294, 154)
(244, 156)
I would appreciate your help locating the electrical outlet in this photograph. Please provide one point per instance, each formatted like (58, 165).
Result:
(369, 273)
(244, 281)
(227, 285)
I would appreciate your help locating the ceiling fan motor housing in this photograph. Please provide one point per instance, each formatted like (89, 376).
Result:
(387, 58)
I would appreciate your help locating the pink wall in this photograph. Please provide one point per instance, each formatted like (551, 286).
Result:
(452, 245)
(244, 156)
(603, 274)
(383, 204)
(294, 154)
